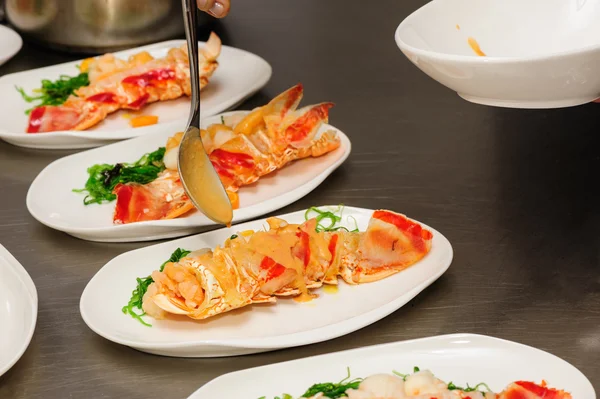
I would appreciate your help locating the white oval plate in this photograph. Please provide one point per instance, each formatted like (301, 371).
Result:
(460, 358)
(51, 201)
(18, 310)
(255, 328)
(10, 43)
(239, 75)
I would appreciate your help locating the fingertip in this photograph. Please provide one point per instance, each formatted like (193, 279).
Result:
(218, 10)
(205, 5)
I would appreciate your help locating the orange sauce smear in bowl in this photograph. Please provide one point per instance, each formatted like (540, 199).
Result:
(475, 46)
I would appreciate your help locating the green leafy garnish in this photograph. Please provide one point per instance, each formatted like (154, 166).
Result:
(222, 120)
(57, 92)
(233, 237)
(135, 302)
(333, 218)
(403, 376)
(104, 177)
(333, 390)
(452, 387)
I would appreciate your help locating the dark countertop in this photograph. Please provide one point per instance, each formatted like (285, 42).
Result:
(515, 192)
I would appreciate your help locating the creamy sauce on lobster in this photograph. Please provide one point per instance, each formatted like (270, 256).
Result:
(279, 248)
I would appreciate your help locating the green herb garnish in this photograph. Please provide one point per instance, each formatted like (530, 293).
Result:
(333, 390)
(403, 376)
(137, 296)
(233, 237)
(332, 217)
(57, 92)
(104, 177)
(452, 387)
(222, 120)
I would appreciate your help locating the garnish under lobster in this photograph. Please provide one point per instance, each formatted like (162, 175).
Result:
(116, 84)
(287, 260)
(242, 149)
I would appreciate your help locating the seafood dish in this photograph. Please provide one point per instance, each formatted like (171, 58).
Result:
(107, 84)
(287, 260)
(423, 384)
(242, 149)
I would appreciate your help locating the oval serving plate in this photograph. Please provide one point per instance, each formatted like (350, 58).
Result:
(256, 328)
(460, 358)
(51, 201)
(239, 75)
(18, 312)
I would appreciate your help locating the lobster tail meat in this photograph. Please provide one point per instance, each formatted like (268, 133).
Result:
(241, 151)
(271, 115)
(163, 198)
(530, 390)
(116, 84)
(50, 118)
(302, 125)
(391, 243)
(286, 260)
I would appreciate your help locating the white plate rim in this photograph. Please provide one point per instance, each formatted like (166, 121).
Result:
(18, 41)
(475, 59)
(258, 209)
(283, 341)
(128, 133)
(480, 338)
(13, 265)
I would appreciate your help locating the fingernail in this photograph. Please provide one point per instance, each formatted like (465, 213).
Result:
(218, 10)
(202, 4)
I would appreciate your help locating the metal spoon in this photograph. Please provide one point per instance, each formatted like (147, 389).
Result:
(198, 176)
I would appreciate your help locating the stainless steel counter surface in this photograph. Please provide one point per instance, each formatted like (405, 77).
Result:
(515, 191)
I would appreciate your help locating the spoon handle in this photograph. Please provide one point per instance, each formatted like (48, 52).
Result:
(190, 21)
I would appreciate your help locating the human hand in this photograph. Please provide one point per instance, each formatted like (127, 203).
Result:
(216, 8)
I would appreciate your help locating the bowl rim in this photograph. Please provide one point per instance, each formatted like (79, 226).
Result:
(475, 59)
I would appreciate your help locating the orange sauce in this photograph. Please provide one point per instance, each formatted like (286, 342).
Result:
(457, 27)
(304, 297)
(331, 289)
(85, 64)
(279, 248)
(143, 120)
(234, 198)
(475, 46)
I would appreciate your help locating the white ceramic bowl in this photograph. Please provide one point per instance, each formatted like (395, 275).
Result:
(538, 53)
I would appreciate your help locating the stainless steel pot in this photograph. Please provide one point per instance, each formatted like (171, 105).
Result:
(94, 26)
